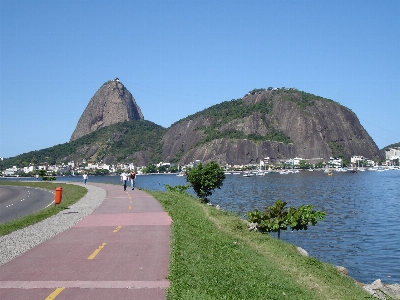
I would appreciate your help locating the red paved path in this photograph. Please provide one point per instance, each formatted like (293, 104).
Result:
(130, 232)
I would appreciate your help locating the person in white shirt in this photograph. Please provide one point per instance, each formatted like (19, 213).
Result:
(124, 178)
(85, 177)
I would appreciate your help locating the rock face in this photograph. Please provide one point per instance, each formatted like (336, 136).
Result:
(111, 104)
(313, 128)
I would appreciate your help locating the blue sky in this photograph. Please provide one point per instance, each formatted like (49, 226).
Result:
(180, 57)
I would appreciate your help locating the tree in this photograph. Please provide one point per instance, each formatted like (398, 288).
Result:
(43, 174)
(173, 169)
(277, 217)
(150, 169)
(205, 179)
(162, 169)
(303, 165)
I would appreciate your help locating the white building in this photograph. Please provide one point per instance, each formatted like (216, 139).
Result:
(335, 161)
(392, 153)
(356, 158)
(9, 172)
(294, 161)
(29, 169)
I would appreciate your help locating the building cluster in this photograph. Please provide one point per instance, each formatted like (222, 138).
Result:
(72, 168)
(392, 154)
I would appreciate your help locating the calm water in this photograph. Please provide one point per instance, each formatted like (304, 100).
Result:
(361, 230)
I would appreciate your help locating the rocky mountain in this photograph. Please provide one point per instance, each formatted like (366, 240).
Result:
(275, 123)
(111, 104)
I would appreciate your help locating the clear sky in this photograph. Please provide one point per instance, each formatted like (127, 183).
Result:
(180, 57)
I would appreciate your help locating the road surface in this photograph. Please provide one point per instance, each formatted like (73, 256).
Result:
(18, 201)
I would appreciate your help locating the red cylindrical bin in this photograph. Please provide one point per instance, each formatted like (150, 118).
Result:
(58, 196)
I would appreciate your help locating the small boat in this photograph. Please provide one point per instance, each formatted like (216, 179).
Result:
(181, 174)
(248, 174)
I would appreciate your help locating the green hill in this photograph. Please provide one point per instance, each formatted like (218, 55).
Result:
(135, 141)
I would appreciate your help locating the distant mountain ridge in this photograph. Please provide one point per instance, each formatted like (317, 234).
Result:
(275, 123)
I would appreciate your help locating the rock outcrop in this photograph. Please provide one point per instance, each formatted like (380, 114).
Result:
(111, 104)
(383, 291)
(304, 125)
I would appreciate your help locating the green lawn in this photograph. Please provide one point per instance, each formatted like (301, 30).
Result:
(70, 194)
(214, 256)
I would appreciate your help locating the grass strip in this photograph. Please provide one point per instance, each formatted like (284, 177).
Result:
(70, 194)
(214, 256)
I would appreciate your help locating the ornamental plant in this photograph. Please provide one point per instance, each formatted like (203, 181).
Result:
(205, 179)
(277, 217)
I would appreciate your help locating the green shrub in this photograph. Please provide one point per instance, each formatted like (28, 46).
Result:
(277, 217)
(177, 188)
(205, 179)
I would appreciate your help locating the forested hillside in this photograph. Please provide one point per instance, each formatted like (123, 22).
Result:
(131, 141)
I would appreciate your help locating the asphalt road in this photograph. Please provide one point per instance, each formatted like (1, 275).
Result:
(18, 201)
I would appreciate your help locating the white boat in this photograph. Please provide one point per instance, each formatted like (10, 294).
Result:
(181, 174)
(248, 174)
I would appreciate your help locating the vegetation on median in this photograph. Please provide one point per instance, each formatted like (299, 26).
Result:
(70, 195)
(215, 256)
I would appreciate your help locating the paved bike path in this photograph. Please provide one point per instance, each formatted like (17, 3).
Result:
(120, 251)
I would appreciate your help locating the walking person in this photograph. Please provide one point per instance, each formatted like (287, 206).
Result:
(85, 177)
(124, 178)
(132, 176)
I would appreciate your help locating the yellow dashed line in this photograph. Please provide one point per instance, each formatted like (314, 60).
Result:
(130, 207)
(55, 293)
(116, 229)
(93, 255)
